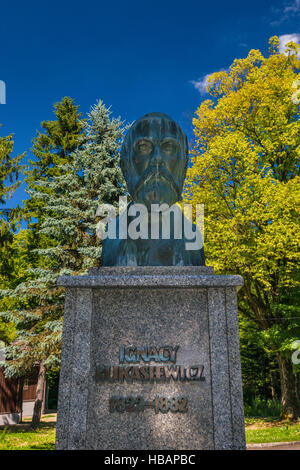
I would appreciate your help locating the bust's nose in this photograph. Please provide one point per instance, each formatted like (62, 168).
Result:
(156, 159)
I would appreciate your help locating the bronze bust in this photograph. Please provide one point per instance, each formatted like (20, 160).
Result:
(154, 160)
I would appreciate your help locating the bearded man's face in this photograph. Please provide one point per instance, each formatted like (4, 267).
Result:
(158, 157)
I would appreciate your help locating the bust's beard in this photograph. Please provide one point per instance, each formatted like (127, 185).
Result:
(156, 190)
(156, 187)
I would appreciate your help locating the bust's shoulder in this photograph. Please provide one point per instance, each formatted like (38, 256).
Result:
(110, 250)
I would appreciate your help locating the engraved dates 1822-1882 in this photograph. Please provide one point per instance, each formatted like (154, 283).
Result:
(139, 404)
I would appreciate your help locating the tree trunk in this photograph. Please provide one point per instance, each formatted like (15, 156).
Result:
(272, 387)
(289, 399)
(37, 411)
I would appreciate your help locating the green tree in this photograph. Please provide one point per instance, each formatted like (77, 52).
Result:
(10, 168)
(259, 367)
(7, 257)
(15, 261)
(68, 243)
(30, 307)
(92, 178)
(52, 149)
(245, 170)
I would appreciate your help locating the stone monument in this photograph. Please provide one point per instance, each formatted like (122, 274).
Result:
(150, 356)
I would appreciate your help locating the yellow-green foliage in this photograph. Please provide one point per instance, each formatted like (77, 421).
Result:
(245, 170)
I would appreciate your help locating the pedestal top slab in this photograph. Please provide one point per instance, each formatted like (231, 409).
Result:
(151, 276)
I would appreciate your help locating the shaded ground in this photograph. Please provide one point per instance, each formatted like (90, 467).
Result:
(48, 418)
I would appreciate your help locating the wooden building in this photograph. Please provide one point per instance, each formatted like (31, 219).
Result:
(17, 398)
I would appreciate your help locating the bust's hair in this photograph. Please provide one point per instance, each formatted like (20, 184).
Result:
(124, 155)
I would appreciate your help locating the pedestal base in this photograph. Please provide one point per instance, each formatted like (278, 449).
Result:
(150, 360)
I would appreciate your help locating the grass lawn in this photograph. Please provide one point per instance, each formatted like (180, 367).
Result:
(259, 430)
(21, 437)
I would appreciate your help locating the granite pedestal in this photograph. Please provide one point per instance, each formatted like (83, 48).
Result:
(119, 309)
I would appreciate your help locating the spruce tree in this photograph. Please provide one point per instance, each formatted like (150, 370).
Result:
(92, 178)
(27, 303)
(52, 149)
(67, 234)
(10, 168)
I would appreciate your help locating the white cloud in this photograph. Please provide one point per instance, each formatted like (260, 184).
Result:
(201, 84)
(286, 12)
(285, 38)
(292, 7)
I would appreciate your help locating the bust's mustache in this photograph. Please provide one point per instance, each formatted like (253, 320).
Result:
(162, 173)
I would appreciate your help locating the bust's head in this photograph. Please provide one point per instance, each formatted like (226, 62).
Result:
(154, 160)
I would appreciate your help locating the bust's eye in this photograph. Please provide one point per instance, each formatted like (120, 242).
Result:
(169, 147)
(144, 147)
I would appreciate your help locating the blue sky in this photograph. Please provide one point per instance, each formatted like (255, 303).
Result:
(136, 56)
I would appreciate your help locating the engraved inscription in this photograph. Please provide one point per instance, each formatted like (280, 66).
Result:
(139, 404)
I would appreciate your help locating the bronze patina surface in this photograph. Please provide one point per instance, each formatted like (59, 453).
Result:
(154, 160)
